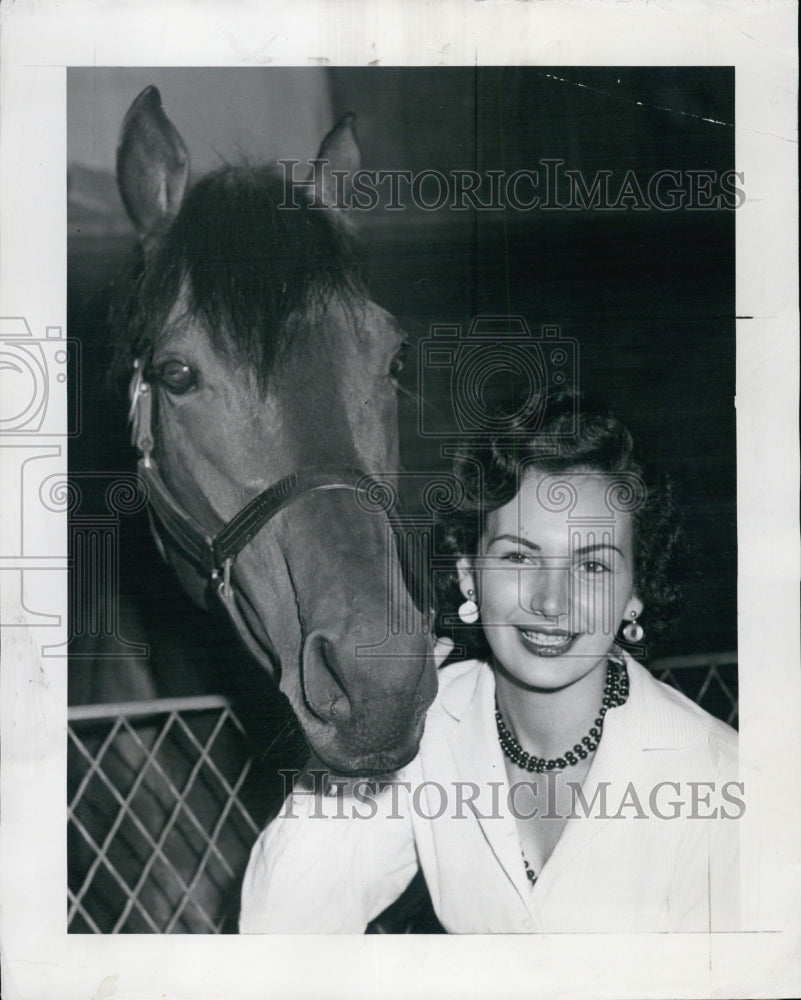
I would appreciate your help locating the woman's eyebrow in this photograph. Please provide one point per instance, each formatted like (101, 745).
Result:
(584, 550)
(516, 540)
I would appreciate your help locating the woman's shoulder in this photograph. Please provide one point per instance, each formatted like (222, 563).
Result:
(668, 715)
(464, 702)
(459, 683)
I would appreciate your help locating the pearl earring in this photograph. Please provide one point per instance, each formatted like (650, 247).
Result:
(633, 631)
(468, 612)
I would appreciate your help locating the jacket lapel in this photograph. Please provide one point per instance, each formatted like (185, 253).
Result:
(633, 735)
(617, 760)
(478, 758)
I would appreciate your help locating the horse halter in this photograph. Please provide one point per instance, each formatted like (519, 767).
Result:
(216, 555)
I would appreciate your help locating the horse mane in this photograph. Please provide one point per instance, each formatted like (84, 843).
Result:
(245, 265)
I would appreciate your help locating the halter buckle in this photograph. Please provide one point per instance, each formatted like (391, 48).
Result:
(227, 577)
(140, 414)
(222, 583)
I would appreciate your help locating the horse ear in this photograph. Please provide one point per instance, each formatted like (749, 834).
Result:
(339, 152)
(152, 165)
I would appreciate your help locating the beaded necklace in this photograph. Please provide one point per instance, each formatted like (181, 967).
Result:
(616, 692)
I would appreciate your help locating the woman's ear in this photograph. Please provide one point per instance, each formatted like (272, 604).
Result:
(634, 608)
(466, 579)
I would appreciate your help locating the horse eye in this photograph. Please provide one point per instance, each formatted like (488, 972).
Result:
(176, 376)
(398, 363)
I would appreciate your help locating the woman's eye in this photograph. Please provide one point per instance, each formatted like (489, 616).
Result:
(398, 363)
(593, 568)
(515, 557)
(176, 376)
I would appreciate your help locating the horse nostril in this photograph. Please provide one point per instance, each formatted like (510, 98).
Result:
(323, 689)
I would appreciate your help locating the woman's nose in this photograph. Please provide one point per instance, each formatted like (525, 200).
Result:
(548, 592)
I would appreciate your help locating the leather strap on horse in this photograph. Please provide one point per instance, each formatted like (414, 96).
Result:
(211, 554)
(252, 518)
(182, 529)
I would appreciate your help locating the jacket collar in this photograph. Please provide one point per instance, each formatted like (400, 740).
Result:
(662, 719)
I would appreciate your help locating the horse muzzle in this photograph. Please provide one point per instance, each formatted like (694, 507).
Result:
(363, 712)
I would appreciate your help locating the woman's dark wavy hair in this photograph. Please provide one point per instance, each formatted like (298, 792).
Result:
(568, 436)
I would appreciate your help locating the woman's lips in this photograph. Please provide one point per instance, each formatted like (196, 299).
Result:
(547, 642)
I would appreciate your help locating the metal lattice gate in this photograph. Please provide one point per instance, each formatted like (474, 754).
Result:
(158, 834)
(709, 680)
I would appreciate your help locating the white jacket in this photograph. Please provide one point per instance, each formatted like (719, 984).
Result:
(619, 865)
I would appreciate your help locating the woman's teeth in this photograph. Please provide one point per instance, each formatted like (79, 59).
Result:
(547, 638)
(548, 643)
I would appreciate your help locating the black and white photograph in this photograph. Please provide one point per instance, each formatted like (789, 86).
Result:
(532, 239)
(397, 501)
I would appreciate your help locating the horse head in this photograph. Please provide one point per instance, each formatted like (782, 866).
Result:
(264, 403)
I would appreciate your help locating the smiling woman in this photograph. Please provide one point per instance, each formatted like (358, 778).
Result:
(550, 733)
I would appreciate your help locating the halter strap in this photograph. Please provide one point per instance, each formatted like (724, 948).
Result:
(182, 529)
(254, 515)
(212, 553)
